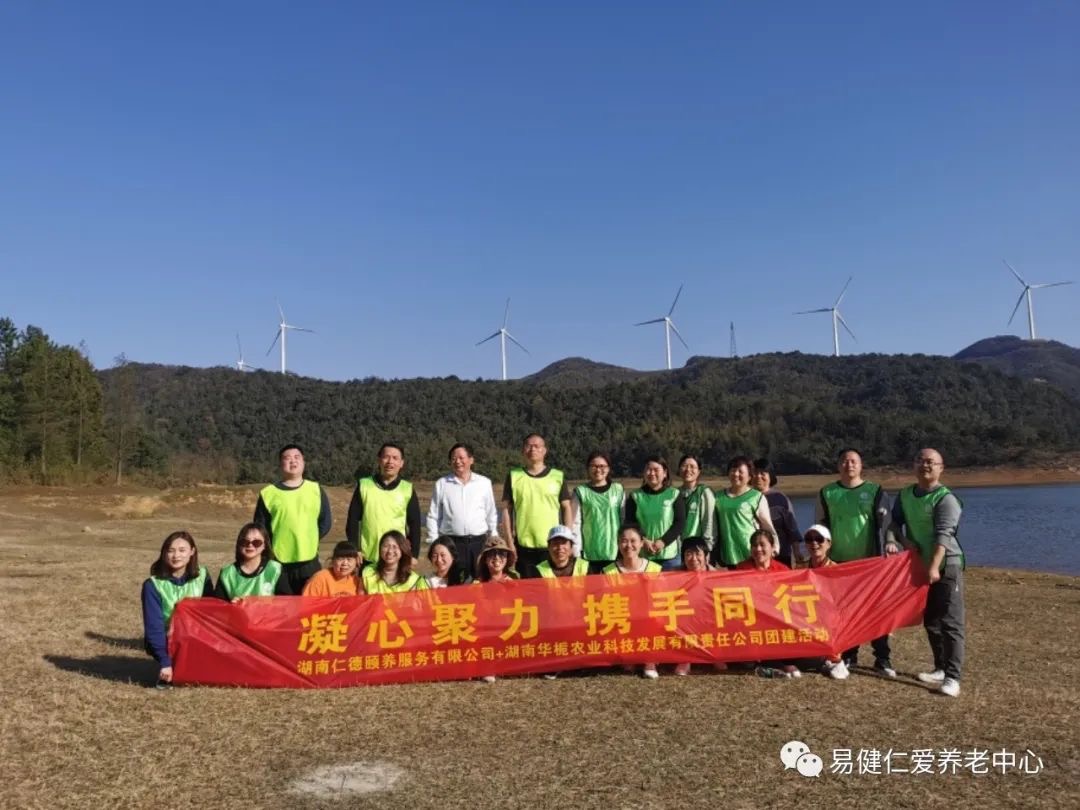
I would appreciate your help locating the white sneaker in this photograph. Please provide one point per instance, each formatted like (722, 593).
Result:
(937, 676)
(682, 669)
(650, 673)
(550, 676)
(488, 679)
(950, 687)
(837, 670)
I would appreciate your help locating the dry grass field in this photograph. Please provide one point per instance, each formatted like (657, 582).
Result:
(83, 726)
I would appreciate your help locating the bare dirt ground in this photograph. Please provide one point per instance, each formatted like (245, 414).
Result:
(83, 727)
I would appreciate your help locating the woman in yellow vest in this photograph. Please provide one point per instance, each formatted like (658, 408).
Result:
(175, 575)
(630, 561)
(393, 572)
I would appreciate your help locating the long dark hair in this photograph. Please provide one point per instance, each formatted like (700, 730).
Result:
(456, 575)
(404, 566)
(241, 536)
(160, 568)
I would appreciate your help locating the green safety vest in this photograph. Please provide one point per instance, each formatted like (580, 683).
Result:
(384, 510)
(601, 514)
(536, 505)
(736, 520)
(695, 511)
(650, 568)
(170, 593)
(919, 519)
(373, 583)
(581, 568)
(261, 584)
(655, 514)
(851, 520)
(294, 521)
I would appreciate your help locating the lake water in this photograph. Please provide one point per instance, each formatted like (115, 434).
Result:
(1031, 527)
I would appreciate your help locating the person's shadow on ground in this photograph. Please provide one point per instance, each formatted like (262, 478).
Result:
(117, 668)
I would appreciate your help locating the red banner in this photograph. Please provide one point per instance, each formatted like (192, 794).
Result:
(544, 625)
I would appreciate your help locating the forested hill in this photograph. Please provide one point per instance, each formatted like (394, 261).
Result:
(1043, 360)
(219, 424)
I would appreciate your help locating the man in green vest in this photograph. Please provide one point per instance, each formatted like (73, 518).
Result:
(561, 561)
(535, 498)
(925, 519)
(295, 513)
(382, 502)
(855, 512)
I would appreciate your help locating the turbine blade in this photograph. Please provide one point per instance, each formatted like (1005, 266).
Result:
(281, 312)
(1013, 271)
(675, 329)
(841, 296)
(489, 337)
(673, 303)
(239, 348)
(506, 313)
(513, 340)
(1018, 302)
(1055, 284)
(299, 329)
(812, 311)
(654, 320)
(840, 318)
(277, 335)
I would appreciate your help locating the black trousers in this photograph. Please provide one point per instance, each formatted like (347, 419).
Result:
(468, 548)
(528, 559)
(299, 573)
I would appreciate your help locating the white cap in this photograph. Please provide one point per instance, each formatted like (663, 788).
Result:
(562, 532)
(817, 528)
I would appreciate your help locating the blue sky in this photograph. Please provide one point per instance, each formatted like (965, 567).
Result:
(393, 172)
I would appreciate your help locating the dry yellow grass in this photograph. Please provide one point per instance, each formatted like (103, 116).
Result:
(81, 728)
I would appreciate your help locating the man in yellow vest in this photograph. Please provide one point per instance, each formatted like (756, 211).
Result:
(561, 561)
(535, 498)
(382, 502)
(295, 513)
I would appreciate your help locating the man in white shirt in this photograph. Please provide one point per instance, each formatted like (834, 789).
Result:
(463, 507)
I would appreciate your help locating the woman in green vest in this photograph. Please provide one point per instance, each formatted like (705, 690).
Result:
(175, 575)
(597, 507)
(660, 511)
(393, 572)
(631, 562)
(255, 571)
(700, 501)
(740, 511)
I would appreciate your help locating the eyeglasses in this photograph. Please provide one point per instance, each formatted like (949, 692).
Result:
(814, 540)
(499, 553)
(251, 543)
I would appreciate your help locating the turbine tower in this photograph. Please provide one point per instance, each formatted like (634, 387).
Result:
(837, 319)
(503, 335)
(283, 328)
(1027, 294)
(734, 348)
(240, 364)
(669, 327)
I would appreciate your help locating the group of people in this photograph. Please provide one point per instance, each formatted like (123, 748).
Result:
(599, 527)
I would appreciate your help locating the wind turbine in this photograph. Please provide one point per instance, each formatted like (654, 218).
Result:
(240, 364)
(284, 327)
(503, 335)
(837, 319)
(669, 327)
(1027, 294)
